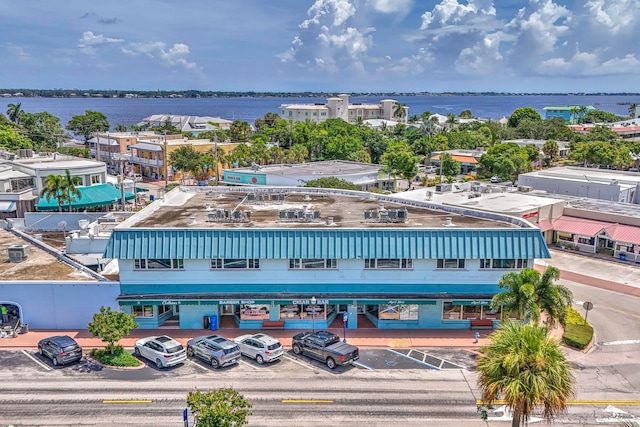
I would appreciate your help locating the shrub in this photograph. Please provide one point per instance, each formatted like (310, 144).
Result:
(577, 333)
(119, 357)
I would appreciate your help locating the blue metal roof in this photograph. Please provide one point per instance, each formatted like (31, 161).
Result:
(449, 243)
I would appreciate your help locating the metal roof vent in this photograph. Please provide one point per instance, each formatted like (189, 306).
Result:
(192, 221)
(18, 253)
(448, 223)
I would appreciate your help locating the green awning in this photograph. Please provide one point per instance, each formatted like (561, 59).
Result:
(93, 196)
(473, 302)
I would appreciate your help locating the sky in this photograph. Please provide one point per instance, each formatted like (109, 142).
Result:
(534, 46)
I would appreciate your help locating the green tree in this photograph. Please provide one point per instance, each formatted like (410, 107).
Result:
(525, 368)
(14, 112)
(553, 299)
(518, 299)
(466, 114)
(69, 182)
(54, 188)
(632, 110)
(87, 124)
(551, 151)
(186, 159)
(331, 182)
(120, 128)
(399, 111)
(12, 140)
(533, 152)
(111, 326)
(506, 160)
(240, 131)
(44, 129)
(449, 166)
(523, 113)
(224, 407)
(400, 160)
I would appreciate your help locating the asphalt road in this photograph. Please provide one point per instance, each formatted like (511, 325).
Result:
(392, 386)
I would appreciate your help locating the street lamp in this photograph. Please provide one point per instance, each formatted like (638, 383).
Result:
(345, 317)
(313, 313)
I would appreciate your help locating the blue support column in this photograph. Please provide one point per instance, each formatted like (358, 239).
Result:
(352, 323)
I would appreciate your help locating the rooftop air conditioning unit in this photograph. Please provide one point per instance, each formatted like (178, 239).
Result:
(524, 188)
(18, 253)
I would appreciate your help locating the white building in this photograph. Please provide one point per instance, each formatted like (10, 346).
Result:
(339, 108)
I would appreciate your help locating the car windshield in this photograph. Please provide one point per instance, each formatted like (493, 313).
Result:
(230, 350)
(69, 348)
(175, 349)
(274, 346)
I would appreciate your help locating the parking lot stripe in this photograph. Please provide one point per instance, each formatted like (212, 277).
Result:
(36, 360)
(307, 401)
(248, 364)
(299, 363)
(198, 365)
(362, 365)
(412, 359)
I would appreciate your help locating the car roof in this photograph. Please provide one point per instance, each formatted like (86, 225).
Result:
(267, 339)
(220, 340)
(62, 340)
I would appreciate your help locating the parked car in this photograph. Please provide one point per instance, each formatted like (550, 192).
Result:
(162, 350)
(61, 349)
(495, 178)
(261, 347)
(215, 349)
(325, 347)
(137, 177)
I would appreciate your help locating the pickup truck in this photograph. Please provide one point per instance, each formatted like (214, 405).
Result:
(325, 347)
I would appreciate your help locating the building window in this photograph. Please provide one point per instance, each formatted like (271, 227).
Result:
(142, 310)
(586, 240)
(163, 309)
(450, 263)
(159, 264)
(96, 179)
(452, 310)
(503, 263)
(235, 263)
(398, 312)
(565, 236)
(302, 263)
(323, 113)
(391, 263)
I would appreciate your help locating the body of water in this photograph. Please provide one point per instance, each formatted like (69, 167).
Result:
(129, 111)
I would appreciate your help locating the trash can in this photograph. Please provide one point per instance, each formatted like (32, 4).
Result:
(623, 257)
(213, 323)
(206, 322)
(24, 328)
(152, 197)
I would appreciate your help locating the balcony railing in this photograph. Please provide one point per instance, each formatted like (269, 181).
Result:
(146, 162)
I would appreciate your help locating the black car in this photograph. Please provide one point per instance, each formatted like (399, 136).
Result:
(61, 349)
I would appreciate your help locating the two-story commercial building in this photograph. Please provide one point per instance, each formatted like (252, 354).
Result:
(303, 256)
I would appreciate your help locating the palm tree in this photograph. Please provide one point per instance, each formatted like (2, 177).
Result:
(519, 297)
(525, 368)
(54, 188)
(399, 111)
(14, 112)
(70, 183)
(632, 110)
(451, 120)
(573, 113)
(552, 298)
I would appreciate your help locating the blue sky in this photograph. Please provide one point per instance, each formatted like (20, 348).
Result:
(322, 45)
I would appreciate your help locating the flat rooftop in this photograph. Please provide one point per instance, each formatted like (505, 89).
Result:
(328, 168)
(182, 209)
(586, 175)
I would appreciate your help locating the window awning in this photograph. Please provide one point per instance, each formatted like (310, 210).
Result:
(93, 196)
(7, 206)
(581, 226)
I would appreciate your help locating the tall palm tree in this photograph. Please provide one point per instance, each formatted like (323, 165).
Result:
(54, 188)
(70, 189)
(552, 298)
(519, 296)
(399, 111)
(14, 112)
(632, 110)
(525, 368)
(573, 114)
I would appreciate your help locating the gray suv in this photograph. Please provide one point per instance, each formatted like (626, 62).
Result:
(216, 350)
(61, 349)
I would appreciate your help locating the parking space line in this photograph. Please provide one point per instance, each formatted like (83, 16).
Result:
(412, 359)
(362, 365)
(35, 360)
(198, 365)
(313, 368)
(248, 364)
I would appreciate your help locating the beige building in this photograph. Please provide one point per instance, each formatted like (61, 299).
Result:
(339, 108)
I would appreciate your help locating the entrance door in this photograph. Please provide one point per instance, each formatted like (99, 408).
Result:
(228, 310)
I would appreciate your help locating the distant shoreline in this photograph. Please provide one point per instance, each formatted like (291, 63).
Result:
(92, 93)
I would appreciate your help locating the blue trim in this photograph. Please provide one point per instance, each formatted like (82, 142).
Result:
(522, 243)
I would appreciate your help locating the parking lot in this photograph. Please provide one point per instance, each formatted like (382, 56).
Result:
(29, 362)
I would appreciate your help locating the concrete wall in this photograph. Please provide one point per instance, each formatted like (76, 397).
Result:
(593, 190)
(60, 305)
(48, 221)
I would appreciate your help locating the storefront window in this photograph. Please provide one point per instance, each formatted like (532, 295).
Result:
(472, 312)
(142, 310)
(450, 311)
(398, 312)
(254, 312)
(163, 309)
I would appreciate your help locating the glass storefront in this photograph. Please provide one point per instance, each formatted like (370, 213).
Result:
(469, 310)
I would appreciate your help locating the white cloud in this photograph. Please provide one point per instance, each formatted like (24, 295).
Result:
(339, 10)
(89, 41)
(392, 6)
(172, 57)
(481, 59)
(450, 12)
(17, 50)
(616, 15)
(540, 26)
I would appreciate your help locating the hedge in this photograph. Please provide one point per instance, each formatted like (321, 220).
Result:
(577, 333)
